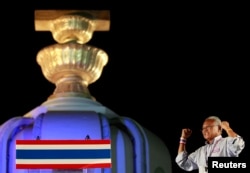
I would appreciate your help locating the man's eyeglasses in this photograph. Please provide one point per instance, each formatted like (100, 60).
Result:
(207, 127)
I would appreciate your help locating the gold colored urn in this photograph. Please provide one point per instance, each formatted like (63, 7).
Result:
(71, 64)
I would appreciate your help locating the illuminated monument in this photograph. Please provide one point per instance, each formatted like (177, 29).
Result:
(71, 112)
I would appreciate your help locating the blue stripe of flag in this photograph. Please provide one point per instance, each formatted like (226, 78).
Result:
(63, 154)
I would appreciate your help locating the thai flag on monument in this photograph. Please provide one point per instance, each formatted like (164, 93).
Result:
(63, 154)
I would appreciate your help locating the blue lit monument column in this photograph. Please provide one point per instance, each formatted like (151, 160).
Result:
(71, 112)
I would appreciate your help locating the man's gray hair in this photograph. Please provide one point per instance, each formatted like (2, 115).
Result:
(215, 118)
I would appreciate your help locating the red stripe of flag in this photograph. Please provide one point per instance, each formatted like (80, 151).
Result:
(63, 166)
(63, 142)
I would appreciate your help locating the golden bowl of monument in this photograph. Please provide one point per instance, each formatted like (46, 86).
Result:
(72, 60)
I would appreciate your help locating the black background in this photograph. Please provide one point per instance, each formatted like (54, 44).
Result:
(170, 64)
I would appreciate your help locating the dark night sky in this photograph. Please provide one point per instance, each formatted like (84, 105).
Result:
(168, 68)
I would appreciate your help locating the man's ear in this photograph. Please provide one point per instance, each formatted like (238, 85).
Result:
(220, 128)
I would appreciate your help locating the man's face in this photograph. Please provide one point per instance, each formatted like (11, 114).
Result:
(210, 130)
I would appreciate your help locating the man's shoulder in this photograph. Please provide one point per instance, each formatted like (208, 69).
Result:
(231, 139)
(201, 148)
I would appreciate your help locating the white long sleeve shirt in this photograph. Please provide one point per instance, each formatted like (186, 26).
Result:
(220, 147)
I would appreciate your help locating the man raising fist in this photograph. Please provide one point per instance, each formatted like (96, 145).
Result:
(215, 145)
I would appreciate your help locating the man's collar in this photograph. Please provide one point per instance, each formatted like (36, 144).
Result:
(215, 139)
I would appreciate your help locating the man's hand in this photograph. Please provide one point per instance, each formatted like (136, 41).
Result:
(186, 133)
(225, 125)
